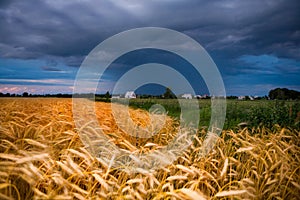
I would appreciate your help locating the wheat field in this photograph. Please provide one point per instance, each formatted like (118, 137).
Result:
(42, 157)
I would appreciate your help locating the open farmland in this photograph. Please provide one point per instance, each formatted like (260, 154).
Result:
(42, 157)
(252, 113)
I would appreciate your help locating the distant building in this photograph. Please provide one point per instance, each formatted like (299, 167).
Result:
(205, 96)
(241, 98)
(130, 95)
(116, 97)
(187, 96)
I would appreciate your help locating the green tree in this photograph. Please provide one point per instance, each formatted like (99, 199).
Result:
(169, 94)
(284, 94)
(107, 95)
(25, 94)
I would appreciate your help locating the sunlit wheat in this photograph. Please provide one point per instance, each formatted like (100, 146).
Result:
(42, 157)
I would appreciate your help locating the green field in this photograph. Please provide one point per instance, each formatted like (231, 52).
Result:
(246, 113)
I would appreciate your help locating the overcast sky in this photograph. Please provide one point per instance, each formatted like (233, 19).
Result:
(255, 44)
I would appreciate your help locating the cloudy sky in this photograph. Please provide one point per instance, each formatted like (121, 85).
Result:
(255, 44)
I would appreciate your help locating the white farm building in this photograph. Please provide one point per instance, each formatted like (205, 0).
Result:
(130, 95)
(187, 96)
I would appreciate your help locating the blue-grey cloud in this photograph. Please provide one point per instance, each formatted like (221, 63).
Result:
(51, 69)
(59, 28)
(270, 64)
(62, 33)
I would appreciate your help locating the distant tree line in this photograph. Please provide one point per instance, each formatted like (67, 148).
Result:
(284, 94)
(278, 93)
(26, 94)
(59, 95)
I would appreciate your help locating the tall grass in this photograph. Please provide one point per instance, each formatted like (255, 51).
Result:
(253, 113)
(42, 157)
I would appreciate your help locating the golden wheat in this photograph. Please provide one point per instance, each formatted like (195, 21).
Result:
(42, 157)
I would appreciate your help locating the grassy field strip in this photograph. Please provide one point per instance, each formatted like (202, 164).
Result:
(253, 113)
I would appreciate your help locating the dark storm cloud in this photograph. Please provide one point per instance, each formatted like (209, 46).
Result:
(55, 28)
(72, 28)
(4, 3)
(258, 37)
